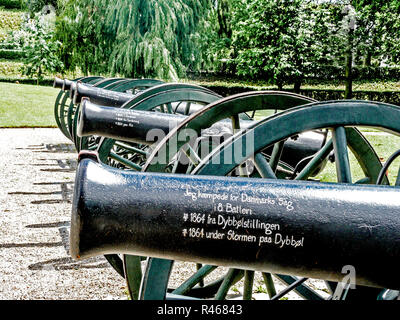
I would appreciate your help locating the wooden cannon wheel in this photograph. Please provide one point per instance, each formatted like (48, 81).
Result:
(341, 118)
(232, 108)
(60, 105)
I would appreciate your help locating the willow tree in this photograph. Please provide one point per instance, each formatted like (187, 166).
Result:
(135, 38)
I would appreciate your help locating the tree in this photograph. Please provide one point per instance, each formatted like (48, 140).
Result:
(140, 38)
(362, 33)
(273, 39)
(40, 48)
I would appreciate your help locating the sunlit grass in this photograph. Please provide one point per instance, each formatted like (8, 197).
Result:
(24, 105)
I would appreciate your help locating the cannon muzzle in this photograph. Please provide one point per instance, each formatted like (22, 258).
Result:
(58, 83)
(299, 228)
(67, 84)
(123, 124)
(72, 88)
(100, 96)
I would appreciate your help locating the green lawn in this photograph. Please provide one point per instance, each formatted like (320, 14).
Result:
(24, 105)
(384, 146)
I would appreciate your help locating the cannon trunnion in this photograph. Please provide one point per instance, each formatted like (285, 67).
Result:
(289, 227)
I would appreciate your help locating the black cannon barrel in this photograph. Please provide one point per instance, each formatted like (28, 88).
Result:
(67, 84)
(58, 83)
(100, 96)
(300, 228)
(72, 88)
(123, 124)
(134, 126)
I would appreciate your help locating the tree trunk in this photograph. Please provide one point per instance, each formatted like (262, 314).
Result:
(39, 74)
(297, 85)
(348, 94)
(367, 60)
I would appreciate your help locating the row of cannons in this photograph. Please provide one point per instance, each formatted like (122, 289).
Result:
(172, 172)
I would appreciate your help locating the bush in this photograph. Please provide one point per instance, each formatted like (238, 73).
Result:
(10, 69)
(11, 4)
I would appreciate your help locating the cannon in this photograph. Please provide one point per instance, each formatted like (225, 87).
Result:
(293, 227)
(232, 109)
(342, 119)
(165, 98)
(160, 98)
(130, 125)
(64, 108)
(108, 97)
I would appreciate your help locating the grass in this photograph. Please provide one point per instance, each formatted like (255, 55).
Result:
(26, 105)
(384, 146)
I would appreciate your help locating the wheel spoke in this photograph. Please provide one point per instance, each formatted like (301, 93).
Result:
(263, 167)
(131, 148)
(276, 155)
(233, 276)
(192, 155)
(248, 284)
(155, 279)
(319, 157)
(269, 283)
(194, 279)
(169, 108)
(125, 162)
(235, 123)
(341, 155)
(133, 274)
(289, 288)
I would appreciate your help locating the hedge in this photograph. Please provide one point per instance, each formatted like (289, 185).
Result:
(319, 73)
(43, 82)
(392, 97)
(10, 20)
(10, 54)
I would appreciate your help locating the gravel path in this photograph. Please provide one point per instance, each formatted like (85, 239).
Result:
(37, 170)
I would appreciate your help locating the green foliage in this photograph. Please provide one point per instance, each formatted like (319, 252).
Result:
(40, 48)
(11, 4)
(141, 38)
(10, 68)
(273, 39)
(35, 6)
(287, 41)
